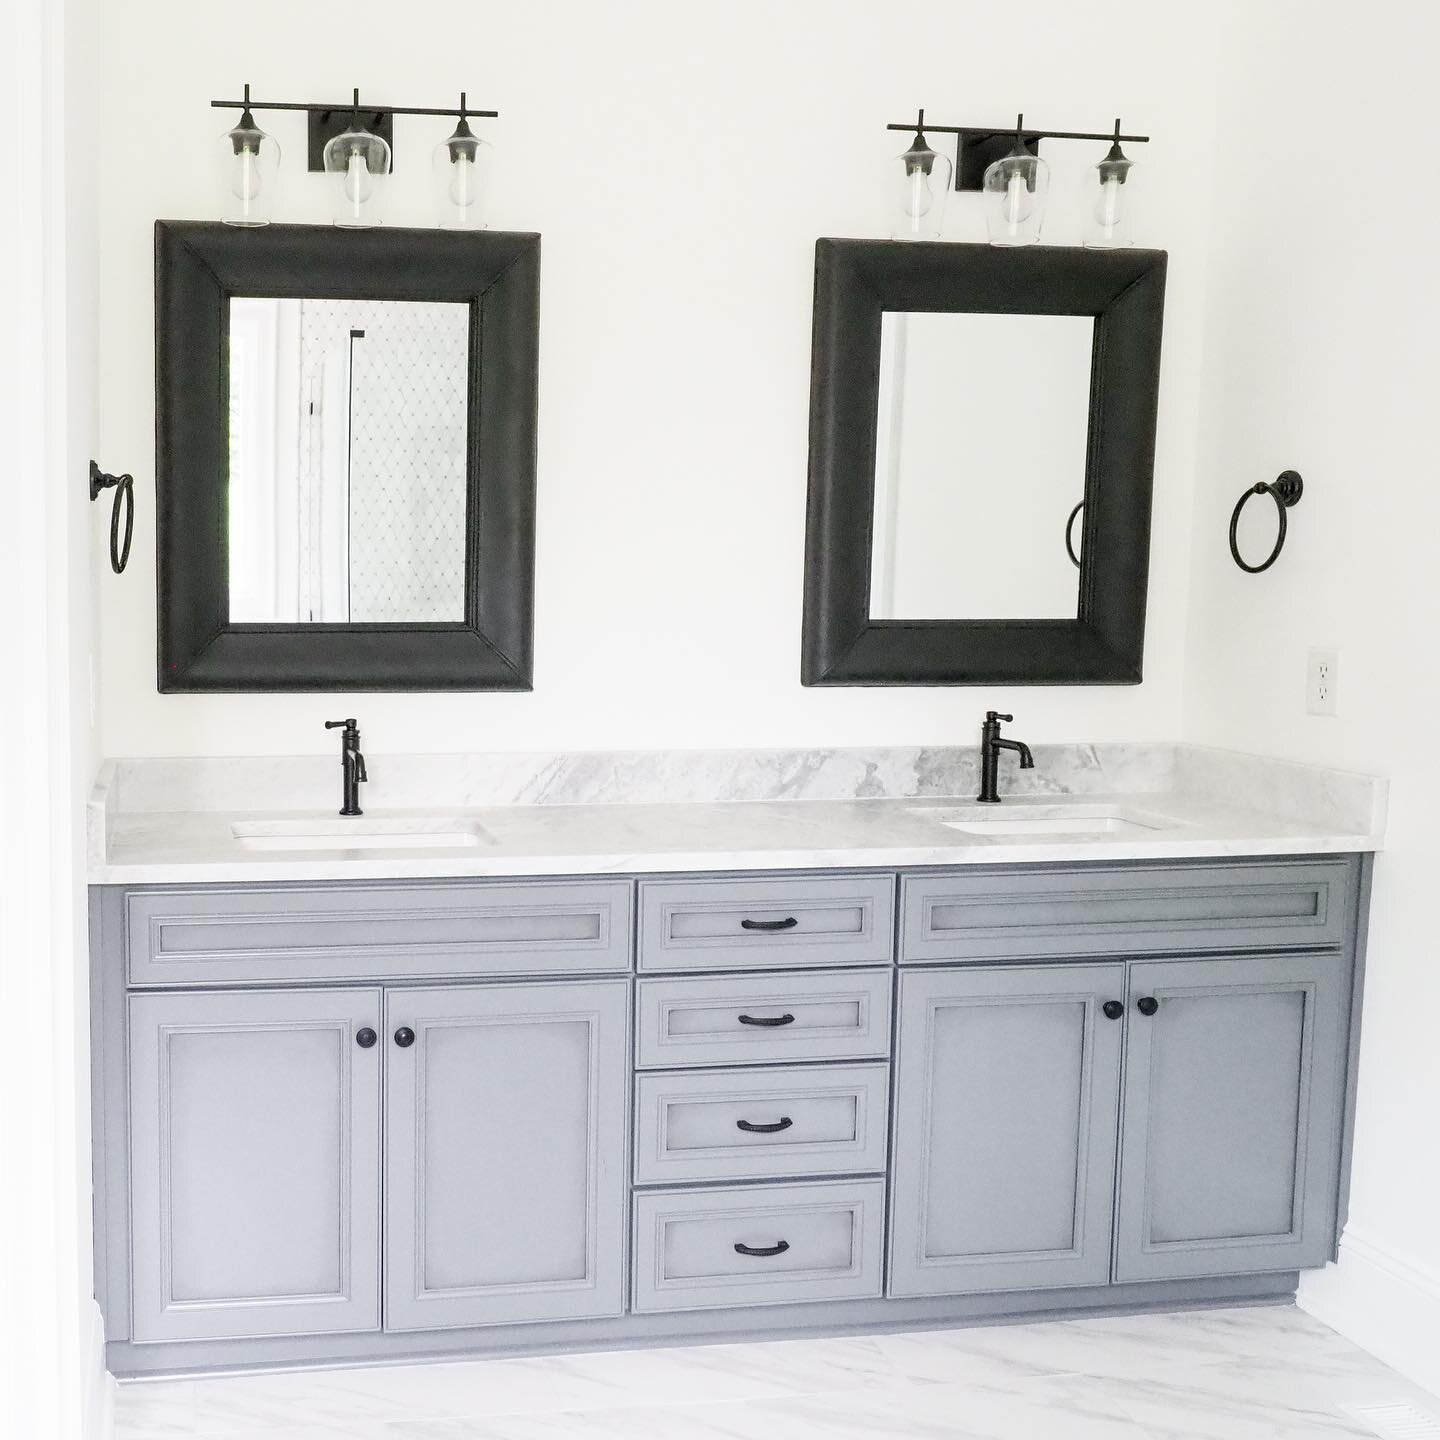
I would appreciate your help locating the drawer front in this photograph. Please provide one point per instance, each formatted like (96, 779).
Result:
(760, 924)
(800, 1242)
(1150, 910)
(760, 1124)
(742, 1020)
(277, 933)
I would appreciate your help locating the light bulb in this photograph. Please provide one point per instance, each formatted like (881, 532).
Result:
(358, 182)
(461, 189)
(245, 177)
(1016, 205)
(1107, 207)
(919, 195)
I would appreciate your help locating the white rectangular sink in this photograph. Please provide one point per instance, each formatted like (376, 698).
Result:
(1075, 818)
(359, 833)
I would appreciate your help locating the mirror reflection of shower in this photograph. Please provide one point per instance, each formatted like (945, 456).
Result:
(347, 464)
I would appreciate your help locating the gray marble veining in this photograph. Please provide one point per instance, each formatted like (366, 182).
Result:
(1256, 1374)
(156, 820)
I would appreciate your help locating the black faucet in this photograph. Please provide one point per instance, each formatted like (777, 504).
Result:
(990, 747)
(352, 761)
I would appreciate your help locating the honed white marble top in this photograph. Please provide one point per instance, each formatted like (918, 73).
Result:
(178, 821)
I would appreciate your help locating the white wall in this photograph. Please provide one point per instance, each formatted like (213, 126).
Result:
(680, 164)
(1323, 357)
(52, 1381)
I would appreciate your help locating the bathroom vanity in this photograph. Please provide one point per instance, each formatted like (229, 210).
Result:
(343, 1113)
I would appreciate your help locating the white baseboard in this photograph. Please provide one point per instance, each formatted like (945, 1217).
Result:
(1385, 1302)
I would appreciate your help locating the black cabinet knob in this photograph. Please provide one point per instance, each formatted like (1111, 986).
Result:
(1147, 1005)
(365, 1038)
(1113, 1009)
(404, 1036)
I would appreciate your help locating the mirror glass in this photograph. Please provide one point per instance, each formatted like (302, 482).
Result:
(348, 441)
(980, 457)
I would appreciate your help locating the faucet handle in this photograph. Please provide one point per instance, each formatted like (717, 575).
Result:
(341, 724)
(996, 715)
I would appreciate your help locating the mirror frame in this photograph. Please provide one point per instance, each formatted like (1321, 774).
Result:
(856, 281)
(199, 267)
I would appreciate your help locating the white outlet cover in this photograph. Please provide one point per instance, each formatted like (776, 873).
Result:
(1322, 681)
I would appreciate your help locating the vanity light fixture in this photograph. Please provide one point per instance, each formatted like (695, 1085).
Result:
(249, 165)
(354, 146)
(461, 163)
(1006, 166)
(1016, 187)
(922, 186)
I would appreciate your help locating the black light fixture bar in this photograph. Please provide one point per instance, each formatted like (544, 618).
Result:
(978, 147)
(328, 118)
(347, 107)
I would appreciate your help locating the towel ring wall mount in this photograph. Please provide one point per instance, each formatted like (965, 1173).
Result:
(1285, 490)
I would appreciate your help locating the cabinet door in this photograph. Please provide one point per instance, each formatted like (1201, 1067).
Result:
(505, 1153)
(255, 1165)
(1006, 1091)
(1231, 1123)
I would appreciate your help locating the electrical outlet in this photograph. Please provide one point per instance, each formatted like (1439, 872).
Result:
(1322, 682)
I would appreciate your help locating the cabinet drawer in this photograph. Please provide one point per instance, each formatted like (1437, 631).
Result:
(1150, 910)
(816, 1242)
(224, 934)
(760, 1124)
(743, 1019)
(756, 924)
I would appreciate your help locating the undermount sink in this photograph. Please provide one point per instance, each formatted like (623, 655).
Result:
(359, 833)
(1076, 818)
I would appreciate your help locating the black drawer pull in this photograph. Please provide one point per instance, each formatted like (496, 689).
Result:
(788, 923)
(771, 1020)
(762, 1252)
(783, 1123)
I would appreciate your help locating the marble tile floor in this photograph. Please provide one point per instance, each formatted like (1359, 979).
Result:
(1242, 1374)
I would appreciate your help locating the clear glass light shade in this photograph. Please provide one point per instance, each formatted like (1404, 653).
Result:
(461, 169)
(1016, 188)
(248, 164)
(358, 163)
(919, 183)
(1109, 211)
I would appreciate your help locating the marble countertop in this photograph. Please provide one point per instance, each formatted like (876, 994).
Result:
(1193, 803)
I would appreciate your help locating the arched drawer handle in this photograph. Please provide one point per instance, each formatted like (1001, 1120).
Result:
(783, 1123)
(788, 923)
(770, 1020)
(762, 1252)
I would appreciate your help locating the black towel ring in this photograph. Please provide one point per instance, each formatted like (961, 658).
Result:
(1069, 542)
(124, 488)
(1285, 490)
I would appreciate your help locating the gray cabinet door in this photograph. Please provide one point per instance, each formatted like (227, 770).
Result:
(1232, 1118)
(1005, 1101)
(505, 1153)
(255, 1166)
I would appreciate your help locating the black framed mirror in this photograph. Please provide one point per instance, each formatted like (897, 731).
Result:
(982, 440)
(345, 467)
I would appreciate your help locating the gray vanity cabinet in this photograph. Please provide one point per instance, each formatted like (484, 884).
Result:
(255, 1155)
(505, 1153)
(1230, 1139)
(1005, 1093)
